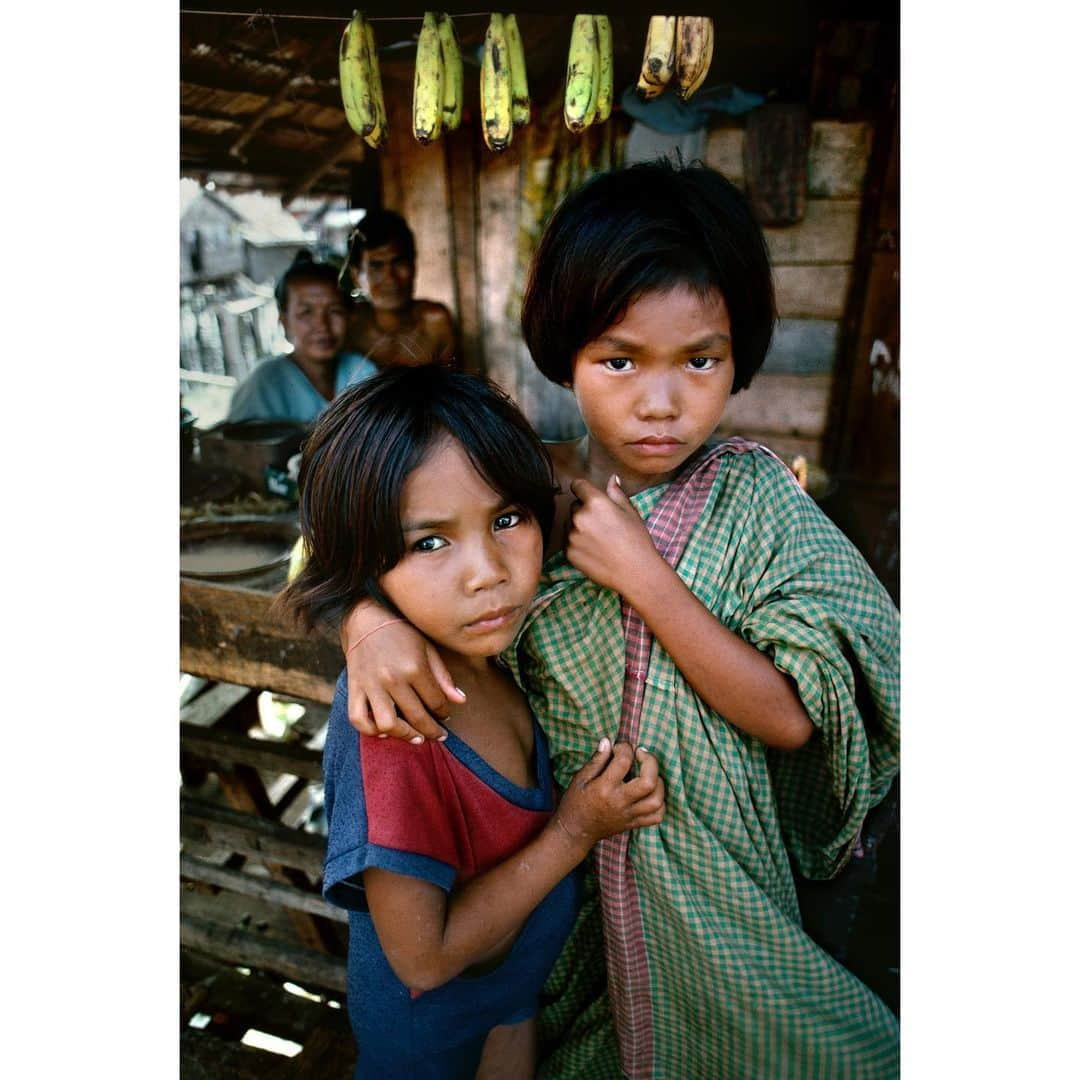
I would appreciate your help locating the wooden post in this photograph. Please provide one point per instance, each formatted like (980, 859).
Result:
(461, 149)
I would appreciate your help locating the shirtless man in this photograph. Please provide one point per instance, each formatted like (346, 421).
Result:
(388, 325)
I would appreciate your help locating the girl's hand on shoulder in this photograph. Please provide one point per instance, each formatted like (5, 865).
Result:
(398, 684)
(600, 801)
(607, 540)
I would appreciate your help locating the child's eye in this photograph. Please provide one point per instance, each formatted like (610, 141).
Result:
(508, 520)
(703, 363)
(429, 543)
(618, 363)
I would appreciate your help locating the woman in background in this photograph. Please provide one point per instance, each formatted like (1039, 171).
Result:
(299, 385)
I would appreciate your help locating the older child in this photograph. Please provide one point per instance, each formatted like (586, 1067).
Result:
(428, 491)
(707, 605)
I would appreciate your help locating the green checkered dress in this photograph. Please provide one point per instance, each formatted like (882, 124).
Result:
(711, 974)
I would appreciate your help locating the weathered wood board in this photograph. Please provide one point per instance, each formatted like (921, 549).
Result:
(802, 347)
(826, 234)
(229, 634)
(812, 292)
(790, 405)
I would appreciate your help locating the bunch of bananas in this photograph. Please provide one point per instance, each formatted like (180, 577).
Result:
(504, 86)
(589, 73)
(679, 46)
(361, 82)
(438, 86)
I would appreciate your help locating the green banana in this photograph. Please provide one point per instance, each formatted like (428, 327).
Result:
(658, 65)
(381, 130)
(495, 88)
(453, 74)
(606, 78)
(428, 84)
(582, 70)
(519, 83)
(354, 73)
(693, 52)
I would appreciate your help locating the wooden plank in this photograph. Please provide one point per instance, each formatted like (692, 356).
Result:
(499, 202)
(836, 169)
(229, 634)
(803, 347)
(276, 757)
(249, 835)
(204, 1056)
(212, 704)
(261, 1001)
(826, 234)
(839, 156)
(461, 150)
(271, 891)
(724, 152)
(343, 143)
(792, 405)
(306, 967)
(811, 292)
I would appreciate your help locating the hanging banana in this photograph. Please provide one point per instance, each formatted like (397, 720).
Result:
(428, 84)
(453, 74)
(693, 52)
(381, 131)
(658, 65)
(606, 86)
(495, 87)
(354, 73)
(519, 83)
(582, 75)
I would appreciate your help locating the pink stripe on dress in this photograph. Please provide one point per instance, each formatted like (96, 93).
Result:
(670, 526)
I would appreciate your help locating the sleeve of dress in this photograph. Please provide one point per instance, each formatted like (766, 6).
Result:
(257, 397)
(817, 609)
(386, 807)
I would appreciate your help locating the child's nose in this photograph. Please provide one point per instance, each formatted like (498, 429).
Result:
(486, 567)
(658, 399)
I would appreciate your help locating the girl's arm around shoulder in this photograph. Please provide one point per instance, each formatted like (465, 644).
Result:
(734, 678)
(430, 937)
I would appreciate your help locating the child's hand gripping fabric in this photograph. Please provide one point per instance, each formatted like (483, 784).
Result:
(430, 937)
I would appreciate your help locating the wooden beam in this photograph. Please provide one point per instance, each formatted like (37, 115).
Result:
(212, 704)
(346, 140)
(250, 835)
(273, 892)
(303, 966)
(317, 51)
(263, 754)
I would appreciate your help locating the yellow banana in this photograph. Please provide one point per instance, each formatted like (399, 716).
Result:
(495, 88)
(453, 74)
(606, 78)
(519, 83)
(428, 84)
(658, 64)
(582, 71)
(381, 131)
(693, 52)
(354, 73)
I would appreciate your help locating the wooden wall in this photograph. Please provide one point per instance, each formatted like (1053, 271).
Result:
(463, 202)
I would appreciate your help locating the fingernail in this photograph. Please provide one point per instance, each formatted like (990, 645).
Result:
(605, 745)
(416, 740)
(644, 750)
(383, 735)
(617, 480)
(460, 691)
(441, 738)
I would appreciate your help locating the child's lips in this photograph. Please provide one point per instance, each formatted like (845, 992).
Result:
(494, 620)
(658, 445)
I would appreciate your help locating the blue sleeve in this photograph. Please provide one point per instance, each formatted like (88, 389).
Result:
(261, 396)
(348, 850)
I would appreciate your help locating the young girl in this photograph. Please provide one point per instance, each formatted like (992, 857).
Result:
(428, 491)
(706, 605)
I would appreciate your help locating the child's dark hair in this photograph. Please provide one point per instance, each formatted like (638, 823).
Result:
(305, 267)
(359, 455)
(636, 230)
(379, 227)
